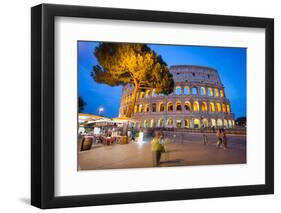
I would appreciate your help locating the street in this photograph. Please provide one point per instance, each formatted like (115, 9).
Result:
(189, 151)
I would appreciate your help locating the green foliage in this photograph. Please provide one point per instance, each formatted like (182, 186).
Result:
(81, 104)
(137, 64)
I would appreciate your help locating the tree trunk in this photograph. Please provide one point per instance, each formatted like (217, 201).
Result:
(132, 104)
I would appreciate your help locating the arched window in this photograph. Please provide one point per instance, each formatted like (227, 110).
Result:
(213, 122)
(136, 109)
(223, 108)
(153, 107)
(210, 92)
(212, 107)
(225, 123)
(221, 93)
(195, 106)
(205, 122)
(140, 108)
(228, 108)
(161, 107)
(178, 123)
(194, 91)
(187, 106)
(186, 90)
(218, 106)
(203, 91)
(204, 107)
(196, 123)
(170, 106)
(229, 123)
(219, 122)
(146, 108)
(152, 123)
(178, 90)
(178, 106)
(160, 123)
(146, 123)
(216, 92)
(153, 94)
(187, 123)
(170, 122)
(147, 93)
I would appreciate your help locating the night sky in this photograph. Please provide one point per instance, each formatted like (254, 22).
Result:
(230, 63)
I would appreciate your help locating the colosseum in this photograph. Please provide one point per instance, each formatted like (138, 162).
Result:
(198, 101)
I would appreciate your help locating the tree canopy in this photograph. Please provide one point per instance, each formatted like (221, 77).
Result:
(137, 64)
(81, 104)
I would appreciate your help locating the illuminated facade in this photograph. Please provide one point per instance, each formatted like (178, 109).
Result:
(198, 101)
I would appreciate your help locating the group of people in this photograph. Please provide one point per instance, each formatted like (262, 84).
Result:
(159, 144)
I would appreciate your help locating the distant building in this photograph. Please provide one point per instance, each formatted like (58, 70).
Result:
(198, 101)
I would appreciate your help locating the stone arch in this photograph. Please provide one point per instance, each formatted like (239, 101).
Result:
(212, 107)
(221, 93)
(210, 92)
(152, 123)
(170, 107)
(195, 106)
(203, 91)
(161, 122)
(147, 93)
(146, 108)
(194, 91)
(225, 123)
(140, 108)
(196, 123)
(223, 108)
(178, 90)
(213, 122)
(218, 107)
(153, 106)
(216, 91)
(178, 124)
(204, 107)
(229, 123)
(146, 123)
(187, 106)
(161, 107)
(205, 122)
(187, 123)
(219, 122)
(178, 106)
(186, 90)
(170, 122)
(228, 108)
(135, 108)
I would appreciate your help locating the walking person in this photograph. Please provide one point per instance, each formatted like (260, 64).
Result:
(205, 138)
(224, 139)
(219, 137)
(156, 148)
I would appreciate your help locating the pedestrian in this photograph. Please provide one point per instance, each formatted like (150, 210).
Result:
(157, 148)
(224, 139)
(219, 137)
(205, 138)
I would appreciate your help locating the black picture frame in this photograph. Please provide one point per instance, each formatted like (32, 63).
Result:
(43, 111)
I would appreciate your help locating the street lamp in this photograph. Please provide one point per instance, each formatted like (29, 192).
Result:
(101, 109)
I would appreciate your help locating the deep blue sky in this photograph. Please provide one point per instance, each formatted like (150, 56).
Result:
(230, 63)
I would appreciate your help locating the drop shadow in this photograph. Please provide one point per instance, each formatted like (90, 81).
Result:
(25, 200)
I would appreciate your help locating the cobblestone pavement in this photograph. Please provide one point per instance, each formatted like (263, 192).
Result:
(188, 152)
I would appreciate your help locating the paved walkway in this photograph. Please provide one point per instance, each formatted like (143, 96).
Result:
(188, 152)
